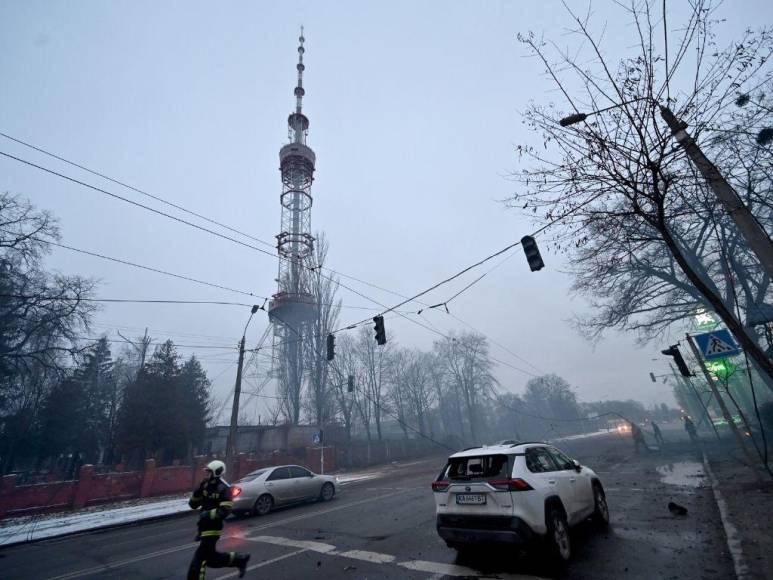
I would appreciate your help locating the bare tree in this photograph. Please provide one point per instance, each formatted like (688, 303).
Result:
(468, 366)
(344, 365)
(324, 290)
(371, 360)
(636, 220)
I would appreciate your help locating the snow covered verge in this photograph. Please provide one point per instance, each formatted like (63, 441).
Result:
(38, 527)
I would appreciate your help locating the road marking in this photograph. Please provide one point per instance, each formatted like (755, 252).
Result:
(437, 569)
(731, 532)
(456, 570)
(189, 545)
(289, 542)
(261, 564)
(366, 556)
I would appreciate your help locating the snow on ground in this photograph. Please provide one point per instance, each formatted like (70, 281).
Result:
(25, 529)
(28, 528)
(583, 435)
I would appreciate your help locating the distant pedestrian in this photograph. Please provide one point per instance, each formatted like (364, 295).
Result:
(689, 426)
(213, 498)
(658, 435)
(638, 438)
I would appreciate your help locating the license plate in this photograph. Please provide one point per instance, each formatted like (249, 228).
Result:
(471, 498)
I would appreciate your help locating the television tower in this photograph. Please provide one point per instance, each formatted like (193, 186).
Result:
(292, 308)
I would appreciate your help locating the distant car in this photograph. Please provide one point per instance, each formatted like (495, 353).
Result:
(259, 492)
(516, 493)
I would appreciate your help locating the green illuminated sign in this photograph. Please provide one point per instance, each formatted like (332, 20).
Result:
(721, 368)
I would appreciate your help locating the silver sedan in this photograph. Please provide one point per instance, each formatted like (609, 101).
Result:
(260, 491)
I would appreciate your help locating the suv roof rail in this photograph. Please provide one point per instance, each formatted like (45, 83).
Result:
(529, 443)
(507, 442)
(473, 447)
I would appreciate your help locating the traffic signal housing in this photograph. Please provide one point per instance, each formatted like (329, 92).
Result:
(673, 351)
(652, 377)
(379, 328)
(532, 253)
(331, 347)
(350, 384)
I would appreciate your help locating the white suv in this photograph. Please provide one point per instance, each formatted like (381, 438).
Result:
(514, 493)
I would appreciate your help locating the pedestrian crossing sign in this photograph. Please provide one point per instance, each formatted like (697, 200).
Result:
(717, 344)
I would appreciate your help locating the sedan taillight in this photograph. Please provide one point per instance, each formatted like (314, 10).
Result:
(440, 486)
(236, 491)
(516, 484)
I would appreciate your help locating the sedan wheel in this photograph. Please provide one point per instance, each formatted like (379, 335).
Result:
(263, 505)
(327, 493)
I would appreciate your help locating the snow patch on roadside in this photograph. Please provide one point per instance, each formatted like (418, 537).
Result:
(26, 529)
(583, 435)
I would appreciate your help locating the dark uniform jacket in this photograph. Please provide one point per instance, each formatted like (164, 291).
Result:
(214, 499)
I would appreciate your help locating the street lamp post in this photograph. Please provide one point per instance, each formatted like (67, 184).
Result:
(230, 446)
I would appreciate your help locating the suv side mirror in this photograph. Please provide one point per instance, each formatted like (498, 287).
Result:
(577, 466)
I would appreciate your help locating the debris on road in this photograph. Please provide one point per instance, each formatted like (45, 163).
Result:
(677, 509)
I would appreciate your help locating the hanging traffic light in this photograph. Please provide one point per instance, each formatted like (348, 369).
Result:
(532, 253)
(652, 377)
(379, 328)
(350, 384)
(673, 351)
(331, 346)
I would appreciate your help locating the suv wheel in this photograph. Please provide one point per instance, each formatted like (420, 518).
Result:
(601, 510)
(558, 535)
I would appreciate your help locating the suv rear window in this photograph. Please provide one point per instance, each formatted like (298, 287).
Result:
(478, 468)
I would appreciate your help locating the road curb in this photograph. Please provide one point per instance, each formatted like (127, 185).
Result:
(732, 537)
(99, 529)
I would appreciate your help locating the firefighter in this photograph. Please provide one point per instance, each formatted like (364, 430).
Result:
(213, 497)
(638, 438)
(689, 426)
(658, 434)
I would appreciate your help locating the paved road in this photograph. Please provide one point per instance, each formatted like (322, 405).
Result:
(384, 528)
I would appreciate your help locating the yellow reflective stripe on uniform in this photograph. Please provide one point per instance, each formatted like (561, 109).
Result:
(231, 555)
(210, 533)
(227, 504)
(203, 570)
(212, 514)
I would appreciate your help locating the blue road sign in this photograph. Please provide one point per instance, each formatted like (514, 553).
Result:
(316, 439)
(717, 344)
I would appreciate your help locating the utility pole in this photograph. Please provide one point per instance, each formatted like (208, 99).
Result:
(230, 445)
(231, 442)
(747, 225)
(725, 412)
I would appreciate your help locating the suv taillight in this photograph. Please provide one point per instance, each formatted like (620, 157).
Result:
(440, 485)
(516, 484)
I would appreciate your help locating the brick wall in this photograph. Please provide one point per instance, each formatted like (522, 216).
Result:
(91, 488)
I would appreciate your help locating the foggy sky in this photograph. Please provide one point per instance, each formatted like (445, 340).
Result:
(414, 110)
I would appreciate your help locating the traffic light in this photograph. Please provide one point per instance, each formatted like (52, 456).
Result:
(673, 351)
(379, 328)
(532, 253)
(652, 376)
(350, 384)
(331, 346)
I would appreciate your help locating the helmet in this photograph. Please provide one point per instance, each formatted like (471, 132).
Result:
(217, 468)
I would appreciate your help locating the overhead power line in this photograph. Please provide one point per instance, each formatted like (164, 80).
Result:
(170, 204)
(250, 246)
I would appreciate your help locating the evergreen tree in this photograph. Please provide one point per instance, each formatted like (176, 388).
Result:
(165, 410)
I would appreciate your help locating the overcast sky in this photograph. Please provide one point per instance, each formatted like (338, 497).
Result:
(414, 110)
